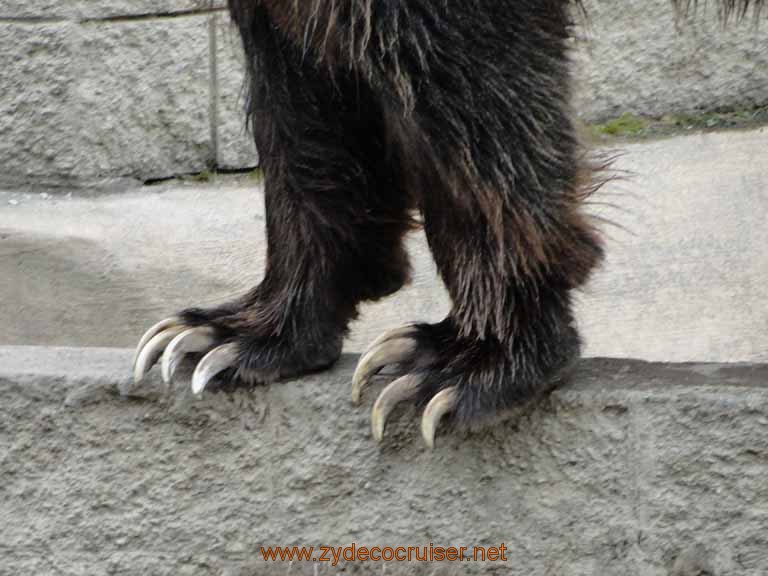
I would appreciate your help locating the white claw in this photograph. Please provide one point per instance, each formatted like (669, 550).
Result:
(149, 353)
(401, 389)
(192, 340)
(152, 332)
(216, 361)
(390, 352)
(443, 402)
(401, 332)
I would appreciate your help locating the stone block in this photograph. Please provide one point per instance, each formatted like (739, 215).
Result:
(235, 146)
(143, 95)
(38, 130)
(638, 56)
(104, 101)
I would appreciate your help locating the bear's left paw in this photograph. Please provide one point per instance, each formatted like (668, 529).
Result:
(471, 381)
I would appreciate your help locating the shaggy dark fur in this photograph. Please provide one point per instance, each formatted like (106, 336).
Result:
(365, 110)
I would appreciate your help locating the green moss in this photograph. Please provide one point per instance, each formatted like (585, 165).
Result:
(256, 175)
(204, 176)
(633, 127)
(627, 124)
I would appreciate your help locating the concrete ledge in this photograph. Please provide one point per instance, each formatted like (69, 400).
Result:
(633, 468)
(685, 277)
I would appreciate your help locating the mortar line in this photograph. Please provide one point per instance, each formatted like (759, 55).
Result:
(152, 16)
(213, 89)
(32, 20)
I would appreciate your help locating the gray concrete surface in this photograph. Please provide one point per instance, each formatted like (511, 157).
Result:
(632, 469)
(100, 93)
(686, 278)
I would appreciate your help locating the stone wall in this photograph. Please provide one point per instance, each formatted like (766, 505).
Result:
(103, 92)
(111, 92)
(631, 469)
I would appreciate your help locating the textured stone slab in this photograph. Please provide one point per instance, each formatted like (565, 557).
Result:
(144, 92)
(632, 468)
(99, 102)
(636, 57)
(235, 147)
(38, 131)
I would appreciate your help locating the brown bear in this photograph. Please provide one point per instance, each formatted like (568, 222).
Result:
(366, 111)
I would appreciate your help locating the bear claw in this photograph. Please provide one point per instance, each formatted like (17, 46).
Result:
(400, 346)
(152, 345)
(443, 402)
(392, 348)
(216, 361)
(154, 331)
(171, 339)
(402, 389)
(190, 341)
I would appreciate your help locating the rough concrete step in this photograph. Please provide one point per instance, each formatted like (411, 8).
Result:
(686, 277)
(633, 468)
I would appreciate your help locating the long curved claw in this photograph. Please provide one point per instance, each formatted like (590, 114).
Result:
(401, 332)
(389, 352)
(398, 391)
(154, 331)
(443, 402)
(216, 361)
(192, 340)
(150, 352)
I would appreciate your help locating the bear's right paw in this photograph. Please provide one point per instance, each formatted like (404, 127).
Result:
(171, 339)
(236, 346)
